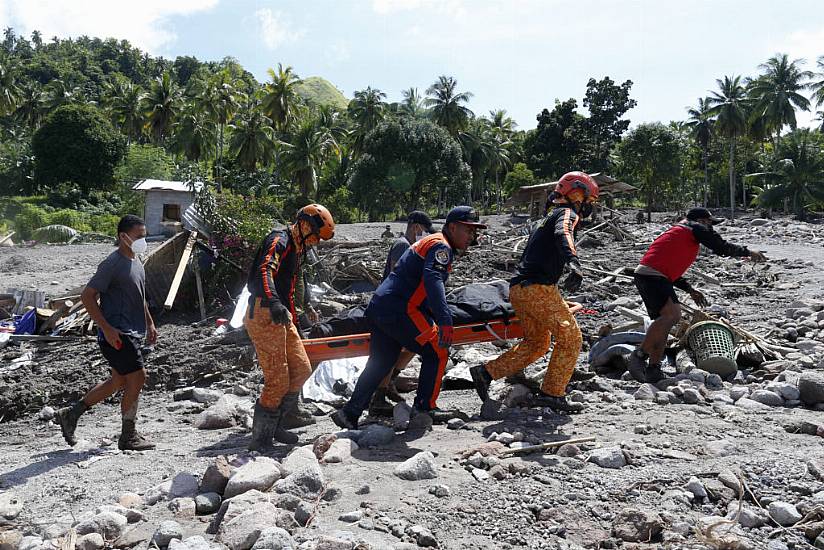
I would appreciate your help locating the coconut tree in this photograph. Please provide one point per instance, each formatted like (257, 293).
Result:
(59, 92)
(194, 135)
(817, 85)
(220, 98)
(729, 106)
(281, 99)
(700, 123)
(367, 109)
(253, 139)
(412, 104)
(124, 102)
(30, 108)
(8, 86)
(162, 105)
(308, 146)
(447, 105)
(796, 175)
(502, 125)
(776, 93)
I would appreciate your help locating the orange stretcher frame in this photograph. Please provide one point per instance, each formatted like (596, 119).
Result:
(357, 345)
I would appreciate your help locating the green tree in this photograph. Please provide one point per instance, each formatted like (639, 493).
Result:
(253, 139)
(729, 106)
(124, 102)
(76, 144)
(144, 161)
(30, 109)
(502, 124)
(650, 155)
(816, 84)
(700, 123)
(519, 176)
(797, 174)
(607, 104)
(194, 134)
(308, 148)
(219, 98)
(8, 86)
(776, 93)
(162, 105)
(366, 110)
(447, 105)
(59, 93)
(281, 99)
(556, 145)
(413, 104)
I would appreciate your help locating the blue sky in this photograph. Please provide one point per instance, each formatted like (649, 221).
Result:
(519, 55)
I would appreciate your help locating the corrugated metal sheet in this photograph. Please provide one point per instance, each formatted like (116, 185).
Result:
(163, 185)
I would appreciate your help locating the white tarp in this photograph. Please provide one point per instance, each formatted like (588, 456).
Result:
(340, 373)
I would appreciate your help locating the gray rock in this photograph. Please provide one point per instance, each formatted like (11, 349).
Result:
(568, 450)
(182, 485)
(243, 531)
(646, 392)
(303, 512)
(333, 543)
(421, 466)
(191, 543)
(183, 508)
(132, 516)
(787, 391)
(506, 438)
(220, 415)
(422, 536)
(10, 505)
(697, 489)
(698, 375)
(751, 518)
(608, 457)
(759, 222)
(737, 392)
(259, 473)
(216, 476)
(811, 387)
(730, 480)
(401, 414)
(10, 540)
(207, 503)
(287, 502)
(750, 405)
(784, 513)
(479, 474)
(816, 468)
(455, 424)
(819, 542)
(130, 500)
(376, 435)
(45, 414)
(92, 541)
(108, 524)
(298, 459)
(306, 479)
(30, 543)
(167, 531)
(440, 491)
(714, 382)
(206, 396)
(635, 525)
(692, 396)
(351, 517)
(340, 451)
(766, 397)
(274, 538)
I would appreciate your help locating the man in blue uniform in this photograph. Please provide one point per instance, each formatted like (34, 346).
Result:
(409, 311)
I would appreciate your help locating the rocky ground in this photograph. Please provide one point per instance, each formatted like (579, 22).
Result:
(694, 462)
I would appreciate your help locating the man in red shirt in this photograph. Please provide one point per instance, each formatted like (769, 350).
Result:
(661, 270)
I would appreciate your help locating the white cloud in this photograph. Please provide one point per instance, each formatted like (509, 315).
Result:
(449, 7)
(145, 24)
(338, 52)
(806, 44)
(275, 29)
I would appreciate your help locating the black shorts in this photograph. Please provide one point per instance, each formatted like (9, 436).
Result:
(655, 291)
(128, 358)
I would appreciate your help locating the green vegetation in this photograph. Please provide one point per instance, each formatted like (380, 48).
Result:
(81, 120)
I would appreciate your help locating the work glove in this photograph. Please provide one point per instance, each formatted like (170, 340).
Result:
(699, 298)
(280, 314)
(445, 335)
(576, 276)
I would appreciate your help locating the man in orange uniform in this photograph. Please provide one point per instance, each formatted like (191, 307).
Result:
(537, 301)
(270, 321)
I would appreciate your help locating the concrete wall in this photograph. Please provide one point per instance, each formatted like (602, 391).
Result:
(153, 211)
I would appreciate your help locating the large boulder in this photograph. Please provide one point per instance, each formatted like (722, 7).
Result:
(183, 485)
(243, 531)
(274, 538)
(421, 466)
(634, 525)
(811, 388)
(216, 476)
(608, 457)
(259, 473)
(108, 524)
(305, 478)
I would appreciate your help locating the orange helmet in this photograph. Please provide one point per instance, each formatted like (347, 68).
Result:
(320, 219)
(577, 184)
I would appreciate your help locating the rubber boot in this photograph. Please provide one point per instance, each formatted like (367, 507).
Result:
(482, 379)
(296, 417)
(343, 420)
(638, 364)
(654, 374)
(264, 424)
(130, 440)
(380, 405)
(562, 404)
(281, 435)
(67, 417)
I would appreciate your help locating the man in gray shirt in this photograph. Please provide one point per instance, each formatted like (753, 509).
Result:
(124, 322)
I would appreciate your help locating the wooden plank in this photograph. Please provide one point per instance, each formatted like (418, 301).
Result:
(201, 302)
(181, 267)
(547, 446)
(7, 237)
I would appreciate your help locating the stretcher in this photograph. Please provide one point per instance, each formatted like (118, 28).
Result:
(357, 345)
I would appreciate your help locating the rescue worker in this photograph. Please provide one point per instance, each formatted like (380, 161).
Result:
(271, 317)
(661, 270)
(387, 233)
(418, 226)
(124, 324)
(409, 310)
(538, 303)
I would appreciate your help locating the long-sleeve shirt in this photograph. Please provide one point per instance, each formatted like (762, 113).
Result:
(274, 271)
(550, 247)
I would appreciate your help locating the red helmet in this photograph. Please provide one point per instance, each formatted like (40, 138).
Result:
(577, 181)
(320, 219)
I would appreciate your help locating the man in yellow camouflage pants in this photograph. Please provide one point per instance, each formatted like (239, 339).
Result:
(537, 301)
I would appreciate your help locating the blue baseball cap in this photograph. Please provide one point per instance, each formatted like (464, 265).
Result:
(465, 215)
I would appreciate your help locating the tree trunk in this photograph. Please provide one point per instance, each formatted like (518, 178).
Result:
(706, 178)
(732, 177)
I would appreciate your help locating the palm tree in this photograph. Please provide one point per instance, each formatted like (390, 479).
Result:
(162, 105)
(60, 93)
(701, 126)
(366, 110)
(502, 125)
(306, 151)
(412, 104)
(447, 105)
(797, 175)
(8, 86)
(253, 138)
(124, 101)
(194, 135)
(281, 97)
(817, 86)
(729, 106)
(477, 144)
(30, 107)
(219, 98)
(776, 93)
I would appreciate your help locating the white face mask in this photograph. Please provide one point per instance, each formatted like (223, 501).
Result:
(138, 246)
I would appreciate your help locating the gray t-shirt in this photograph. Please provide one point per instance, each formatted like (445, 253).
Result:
(121, 283)
(400, 246)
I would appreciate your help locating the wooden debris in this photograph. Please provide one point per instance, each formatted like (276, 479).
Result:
(546, 446)
(7, 237)
(181, 267)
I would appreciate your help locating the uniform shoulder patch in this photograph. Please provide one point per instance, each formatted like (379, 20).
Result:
(442, 256)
